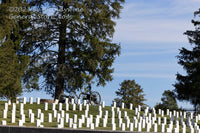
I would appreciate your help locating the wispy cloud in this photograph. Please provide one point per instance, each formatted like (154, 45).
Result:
(135, 53)
(169, 76)
(143, 22)
(147, 67)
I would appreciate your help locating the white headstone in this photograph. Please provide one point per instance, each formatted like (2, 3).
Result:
(60, 106)
(4, 113)
(31, 100)
(38, 123)
(62, 113)
(74, 126)
(56, 101)
(58, 117)
(66, 117)
(131, 106)
(120, 122)
(42, 117)
(91, 118)
(14, 106)
(3, 123)
(139, 127)
(32, 118)
(86, 113)
(75, 118)
(159, 120)
(123, 128)
(127, 123)
(84, 102)
(103, 104)
(163, 128)
(97, 122)
(20, 123)
(155, 128)
(80, 123)
(83, 118)
(9, 101)
(66, 106)
(183, 129)
(74, 107)
(54, 113)
(61, 121)
(104, 122)
(191, 130)
(49, 117)
(38, 113)
(131, 127)
(122, 105)
(100, 114)
(38, 100)
(72, 101)
(70, 123)
(66, 101)
(79, 101)
(5, 106)
(114, 104)
(29, 113)
(13, 117)
(24, 100)
(136, 111)
(91, 126)
(53, 106)
(46, 106)
(113, 125)
(23, 118)
(88, 122)
(167, 112)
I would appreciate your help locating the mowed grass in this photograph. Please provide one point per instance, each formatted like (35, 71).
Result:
(93, 110)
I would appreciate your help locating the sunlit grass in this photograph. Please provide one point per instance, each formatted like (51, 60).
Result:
(93, 110)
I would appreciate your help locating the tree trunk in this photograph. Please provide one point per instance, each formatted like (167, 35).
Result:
(61, 60)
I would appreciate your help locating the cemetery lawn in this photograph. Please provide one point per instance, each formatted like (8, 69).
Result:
(93, 110)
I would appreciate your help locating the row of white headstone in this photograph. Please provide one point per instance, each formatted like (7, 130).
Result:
(146, 121)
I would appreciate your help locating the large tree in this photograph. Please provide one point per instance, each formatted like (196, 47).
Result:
(71, 48)
(168, 101)
(12, 64)
(130, 92)
(187, 86)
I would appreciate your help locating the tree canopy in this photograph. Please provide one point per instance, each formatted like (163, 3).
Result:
(130, 92)
(168, 101)
(187, 86)
(12, 64)
(72, 47)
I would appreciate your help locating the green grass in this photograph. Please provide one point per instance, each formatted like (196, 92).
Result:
(93, 110)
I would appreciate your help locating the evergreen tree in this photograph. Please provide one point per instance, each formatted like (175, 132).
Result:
(72, 47)
(168, 101)
(130, 92)
(187, 86)
(12, 64)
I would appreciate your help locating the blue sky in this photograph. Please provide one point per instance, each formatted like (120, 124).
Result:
(151, 34)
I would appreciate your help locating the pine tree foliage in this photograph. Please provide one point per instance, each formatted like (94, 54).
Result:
(12, 64)
(130, 92)
(187, 86)
(71, 48)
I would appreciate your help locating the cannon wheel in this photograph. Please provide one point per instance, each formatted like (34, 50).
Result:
(62, 98)
(71, 96)
(97, 97)
(83, 96)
